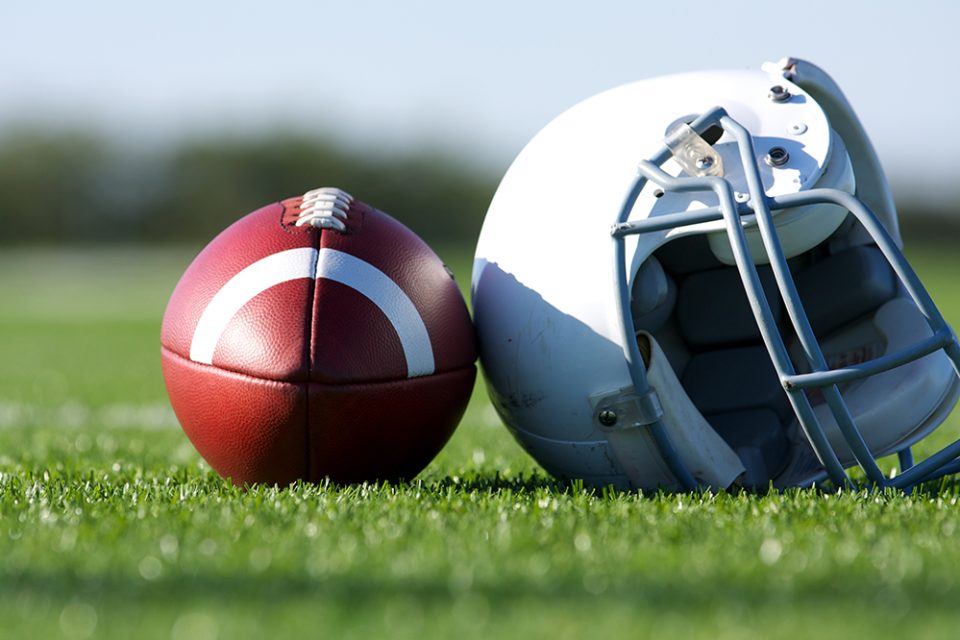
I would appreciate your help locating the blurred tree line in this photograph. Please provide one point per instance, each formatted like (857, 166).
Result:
(79, 188)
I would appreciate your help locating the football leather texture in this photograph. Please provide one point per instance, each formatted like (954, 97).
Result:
(337, 349)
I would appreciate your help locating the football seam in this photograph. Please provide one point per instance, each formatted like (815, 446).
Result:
(171, 352)
(308, 356)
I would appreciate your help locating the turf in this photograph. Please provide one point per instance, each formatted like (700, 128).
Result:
(112, 526)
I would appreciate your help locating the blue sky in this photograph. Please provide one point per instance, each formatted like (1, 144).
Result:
(479, 78)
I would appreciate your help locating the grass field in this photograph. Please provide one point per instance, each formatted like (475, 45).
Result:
(111, 525)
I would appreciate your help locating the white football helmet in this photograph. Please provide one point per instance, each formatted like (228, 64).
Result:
(696, 281)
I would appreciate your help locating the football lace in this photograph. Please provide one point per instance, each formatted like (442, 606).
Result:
(325, 208)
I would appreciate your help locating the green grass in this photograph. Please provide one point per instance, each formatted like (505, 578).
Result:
(112, 526)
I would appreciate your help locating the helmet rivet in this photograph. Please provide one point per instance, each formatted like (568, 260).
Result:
(740, 196)
(704, 162)
(608, 417)
(778, 94)
(798, 128)
(776, 157)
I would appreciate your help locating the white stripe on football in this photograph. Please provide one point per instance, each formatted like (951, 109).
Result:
(330, 264)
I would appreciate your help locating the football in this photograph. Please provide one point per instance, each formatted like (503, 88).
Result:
(317, 338)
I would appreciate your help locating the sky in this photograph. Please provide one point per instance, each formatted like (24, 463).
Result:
(479, 79)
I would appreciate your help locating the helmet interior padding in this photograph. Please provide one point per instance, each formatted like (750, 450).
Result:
(726, 370)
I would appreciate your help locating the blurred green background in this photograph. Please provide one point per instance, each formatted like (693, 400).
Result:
(64, 188)
(61, 188)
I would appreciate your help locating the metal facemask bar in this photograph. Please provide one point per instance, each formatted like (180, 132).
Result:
(821, 377)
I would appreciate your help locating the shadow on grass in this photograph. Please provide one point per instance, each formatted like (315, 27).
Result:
(497, 485)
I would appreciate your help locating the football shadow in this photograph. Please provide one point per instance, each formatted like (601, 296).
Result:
(496, 484)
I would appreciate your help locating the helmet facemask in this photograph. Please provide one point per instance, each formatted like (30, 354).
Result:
(834, 316)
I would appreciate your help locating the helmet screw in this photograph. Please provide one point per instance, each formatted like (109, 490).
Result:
(703, 163)
(776, 157)
(778, 94)
(608, 417)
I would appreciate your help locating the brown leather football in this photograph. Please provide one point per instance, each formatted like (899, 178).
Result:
(318, 338)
